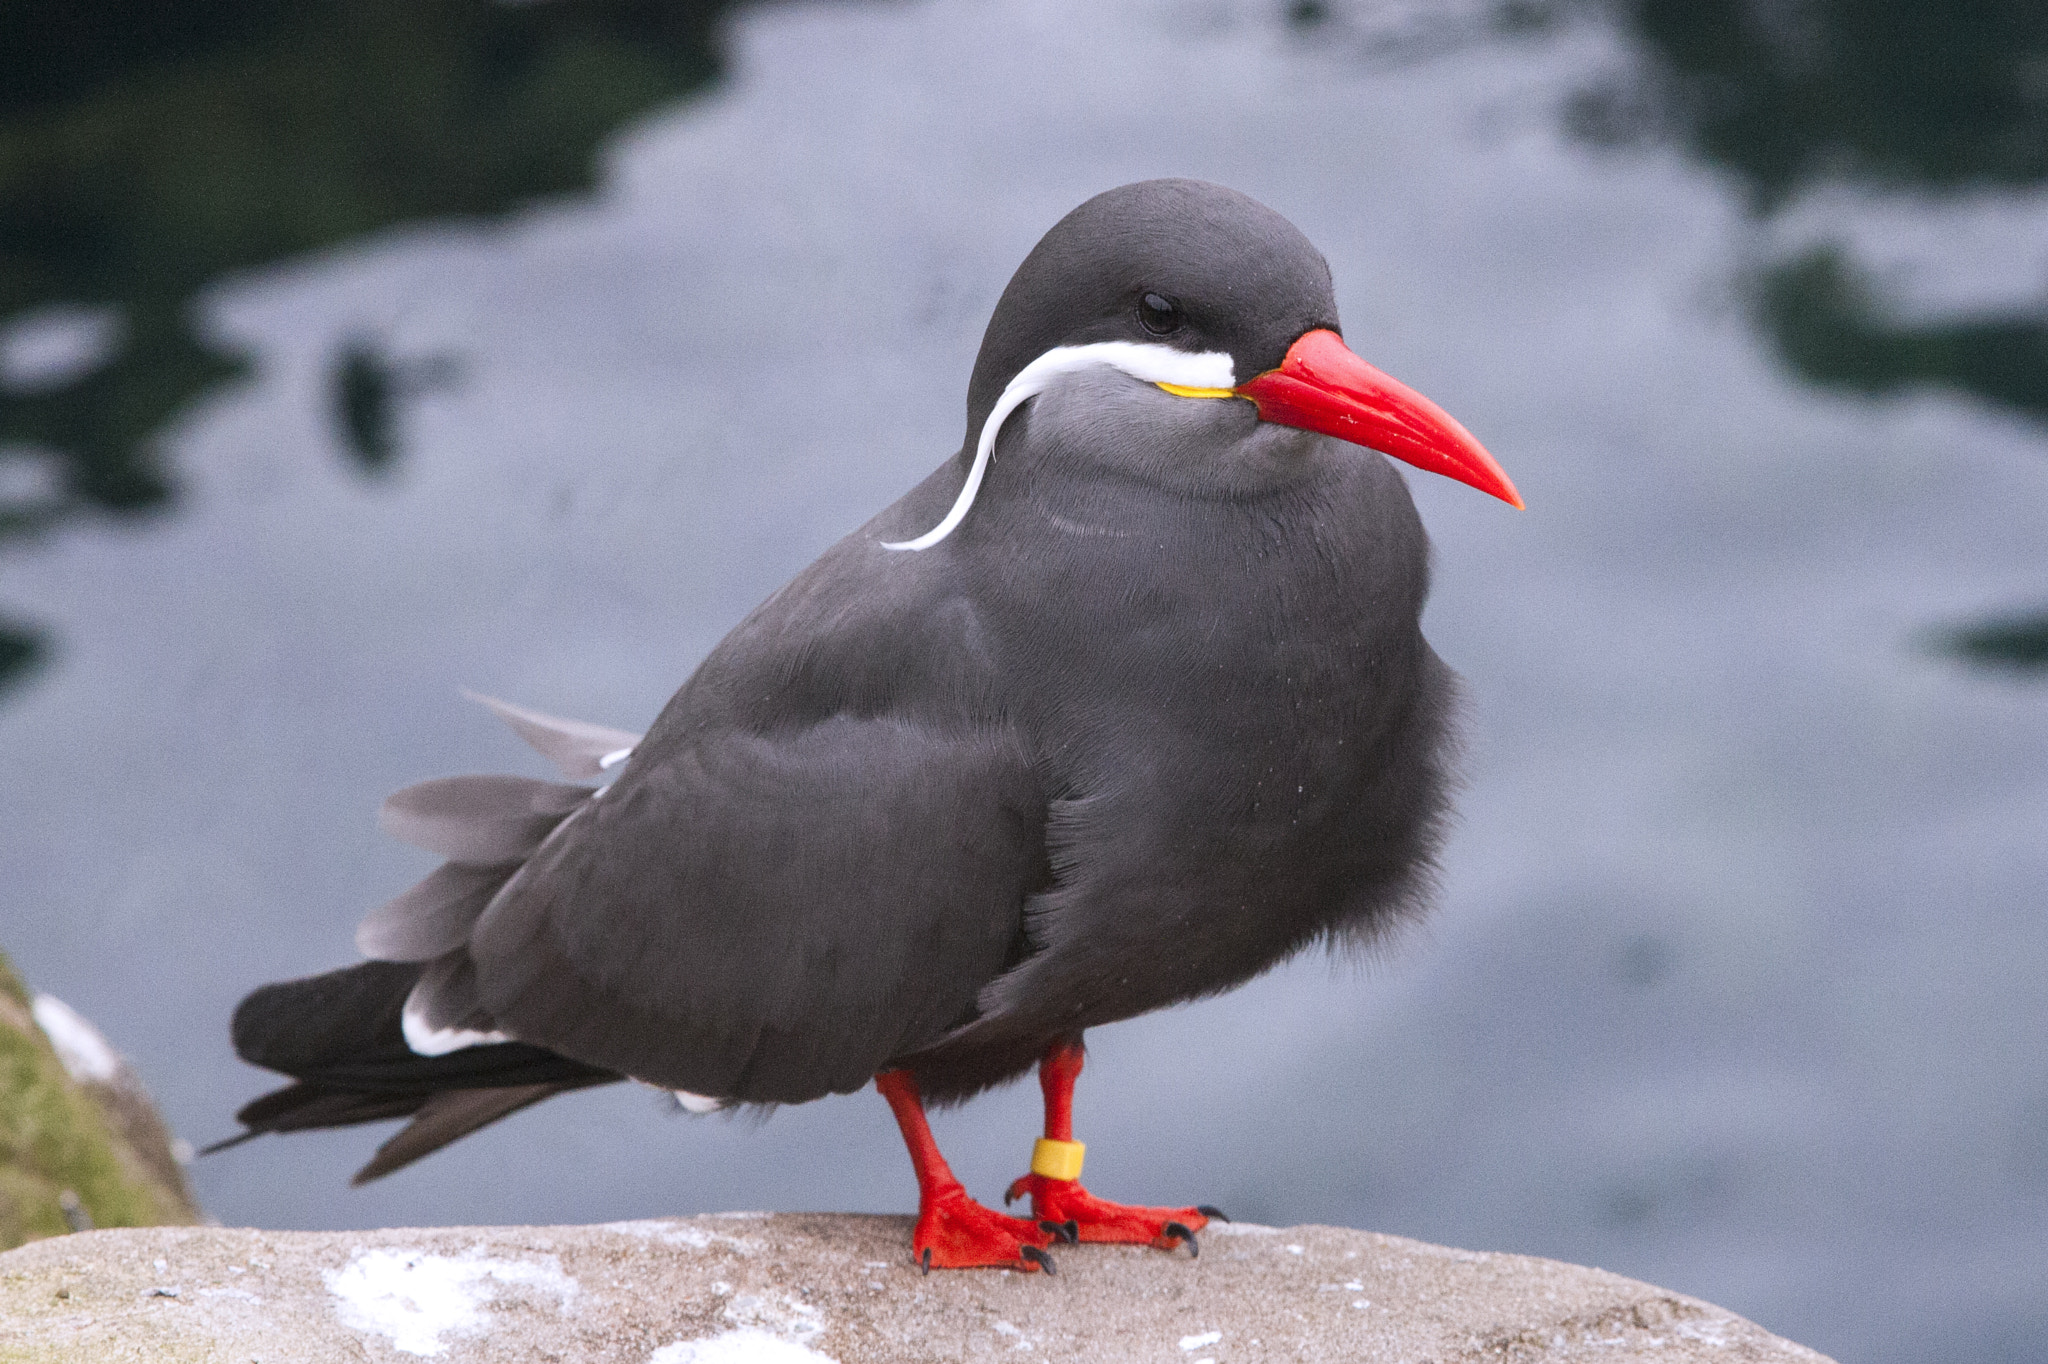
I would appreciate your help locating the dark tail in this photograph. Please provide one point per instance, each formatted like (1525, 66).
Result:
(339, 1036)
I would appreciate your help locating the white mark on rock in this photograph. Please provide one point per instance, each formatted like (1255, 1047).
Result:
(1018, 1340)
(682, 1234)
(1355, 1286)
(766, 1330)
(785, 1317)
(1706, 1332)
(414, 1299)
(85, 1054)
(1239, 1229)
(1294, 1250)
(1197, 1342)
(744, 1346)
(238, 1294)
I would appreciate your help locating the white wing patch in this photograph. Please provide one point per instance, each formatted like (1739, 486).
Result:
(426, 1040)
(697, 1103)
(1153, 364)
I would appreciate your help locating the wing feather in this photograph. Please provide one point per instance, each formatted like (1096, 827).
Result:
(816, 858)
(577, 747)
(770, 918)
(480, 821)
(432, 918)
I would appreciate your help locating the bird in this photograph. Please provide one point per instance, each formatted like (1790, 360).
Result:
(1125, 703)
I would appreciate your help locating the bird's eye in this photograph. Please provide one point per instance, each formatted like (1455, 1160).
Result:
(1159, 313)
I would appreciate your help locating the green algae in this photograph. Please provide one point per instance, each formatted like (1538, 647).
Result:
(54, 1139)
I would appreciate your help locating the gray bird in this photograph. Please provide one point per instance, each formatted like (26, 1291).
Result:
(1125, 703)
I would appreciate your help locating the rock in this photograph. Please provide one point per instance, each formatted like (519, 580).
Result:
(81, 1144)
(802, 1288)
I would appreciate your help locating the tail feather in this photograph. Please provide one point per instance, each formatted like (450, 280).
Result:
(308, 1026)
(340, 1036)
(303, 1107)
(452, 1114)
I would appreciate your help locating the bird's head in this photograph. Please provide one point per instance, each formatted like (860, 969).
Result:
(1206, 295)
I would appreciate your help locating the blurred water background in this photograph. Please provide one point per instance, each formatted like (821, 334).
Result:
(358, 351)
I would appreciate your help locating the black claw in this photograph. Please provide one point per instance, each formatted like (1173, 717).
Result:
(1010, 1195)
(1073, 1232)
(1061, 1231)
(1177, 1230)
(1037, 1257)
(1210, 1211)
(926, 1261)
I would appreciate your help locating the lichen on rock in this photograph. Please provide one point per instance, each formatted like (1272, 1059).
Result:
(76, 1152)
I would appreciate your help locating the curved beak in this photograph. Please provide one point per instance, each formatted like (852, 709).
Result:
(1322, 386)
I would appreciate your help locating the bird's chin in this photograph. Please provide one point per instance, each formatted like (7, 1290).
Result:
(1226, 452)
(1108, 424)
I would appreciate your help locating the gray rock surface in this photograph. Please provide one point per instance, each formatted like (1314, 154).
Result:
(798, 1288)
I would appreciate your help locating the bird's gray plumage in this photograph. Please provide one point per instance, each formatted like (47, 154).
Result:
(1156, 715)
(582, 751)
(434, 917)
(480, 821)
(1248, 280)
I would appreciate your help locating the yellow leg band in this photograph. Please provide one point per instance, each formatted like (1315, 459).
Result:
(1057, 1159)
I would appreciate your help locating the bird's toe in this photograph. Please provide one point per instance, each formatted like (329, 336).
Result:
(1065, 1203)
(955, 1232)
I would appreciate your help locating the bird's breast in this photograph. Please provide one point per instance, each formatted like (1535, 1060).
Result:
(1228, 689)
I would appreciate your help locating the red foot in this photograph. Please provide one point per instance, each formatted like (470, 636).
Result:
(955, 1232)
(1064, 1200)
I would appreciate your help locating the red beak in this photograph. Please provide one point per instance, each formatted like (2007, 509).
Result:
(1322, 386)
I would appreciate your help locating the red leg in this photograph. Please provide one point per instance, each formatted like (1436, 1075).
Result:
(1055, 1184)
(953, 1231)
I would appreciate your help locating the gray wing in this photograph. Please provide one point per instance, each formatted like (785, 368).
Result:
(812, 863)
